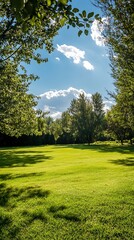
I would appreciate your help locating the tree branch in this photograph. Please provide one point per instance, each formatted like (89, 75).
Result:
(5, 59)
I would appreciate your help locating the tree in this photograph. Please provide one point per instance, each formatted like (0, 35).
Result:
(80, 111)
(117, 124)
(98, 115)
(29, 25)
(83, 122)
(56, 129)
(42, 122)
(66, 135)
(17, 114)
(120, 39)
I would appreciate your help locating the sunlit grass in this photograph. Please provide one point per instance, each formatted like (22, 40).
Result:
(74, 192)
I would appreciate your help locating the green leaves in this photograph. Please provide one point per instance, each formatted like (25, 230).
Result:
(16, 105)
(18, 4)
(49, 3)
(64, 2)
(90, 15)
(86, 32)
(87, 25)
(62, 21)
(26, 26)
(81, 25)
(84, 13)
(119, 35)
(85, 124)
(97, 16)
(80, 32)
(84, 22)
(75, 10)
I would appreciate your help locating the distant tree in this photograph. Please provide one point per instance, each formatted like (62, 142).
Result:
(66, 135)
(117, 124)
(66, 122)
(56, 129)
(42, 119)
(98, 115)
(80, 111)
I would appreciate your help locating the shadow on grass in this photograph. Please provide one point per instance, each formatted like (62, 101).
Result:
(5, 219)
(58, 213)
(129, 162)
(68, 216)
(32, 192)
(10, 228)
(54, 209)
(10, 193)
(9, 176)
(20, 158)
(101, 147)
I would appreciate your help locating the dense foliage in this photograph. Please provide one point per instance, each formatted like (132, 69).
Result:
(27, 26)
(17, 114)
(120, 40)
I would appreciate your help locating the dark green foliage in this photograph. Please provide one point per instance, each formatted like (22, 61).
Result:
(30, 25)
(117, 124)
(86, 118)
(120, 40)
(17, 115)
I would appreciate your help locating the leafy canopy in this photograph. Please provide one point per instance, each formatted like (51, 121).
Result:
(120, 40)
(26, 26)
(29, 25)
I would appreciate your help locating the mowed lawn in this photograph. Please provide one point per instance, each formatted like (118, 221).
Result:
(69, 192)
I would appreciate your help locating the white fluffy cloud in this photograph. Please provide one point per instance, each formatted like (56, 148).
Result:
(64, 93)
(96, 31)
(56, 115)
(75, 54)
(88, 65)
(107, 105)
(57, 58)
(58, 101)
(71, 52)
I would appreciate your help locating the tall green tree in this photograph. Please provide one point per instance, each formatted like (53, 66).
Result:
(80, 111)
(120, 40)
(98, 115)
(66, 136)
(117, 124)
(56, 129)
(17, 114)
(87, 118)
(42, 122)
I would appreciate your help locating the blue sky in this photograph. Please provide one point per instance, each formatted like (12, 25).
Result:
(77, 64)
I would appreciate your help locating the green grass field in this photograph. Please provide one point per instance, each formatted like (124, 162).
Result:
(69, 192)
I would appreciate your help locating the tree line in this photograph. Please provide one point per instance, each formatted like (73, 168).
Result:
(85, 121)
